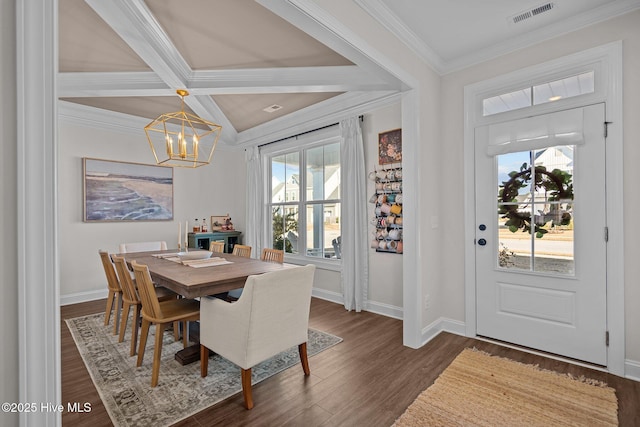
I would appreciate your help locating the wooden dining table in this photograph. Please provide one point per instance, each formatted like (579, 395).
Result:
(192, 282)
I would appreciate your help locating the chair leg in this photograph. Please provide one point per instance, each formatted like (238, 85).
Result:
(144, 333)
(157, 354)
(123, 320)
(204, 361)
(116, 316)
(302, 350)
(107, 312)
(134, 329)
(246, 388)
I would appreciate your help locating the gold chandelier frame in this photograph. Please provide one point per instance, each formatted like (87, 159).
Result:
(182, 139)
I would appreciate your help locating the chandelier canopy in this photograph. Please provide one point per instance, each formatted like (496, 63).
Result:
(182, 139)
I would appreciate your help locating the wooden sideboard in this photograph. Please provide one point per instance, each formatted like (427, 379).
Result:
(202, 240)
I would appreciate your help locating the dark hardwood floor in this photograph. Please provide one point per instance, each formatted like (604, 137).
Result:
(367, 380)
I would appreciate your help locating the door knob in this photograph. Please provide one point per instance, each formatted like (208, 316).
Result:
(482, 242)
(482, 227)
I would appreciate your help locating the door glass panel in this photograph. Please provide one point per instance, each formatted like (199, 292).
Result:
(535, 211)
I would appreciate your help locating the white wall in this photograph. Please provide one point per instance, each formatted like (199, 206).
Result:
(385, 269)
(626, 28)
(8, 213)
(422, 193)
(215, 189)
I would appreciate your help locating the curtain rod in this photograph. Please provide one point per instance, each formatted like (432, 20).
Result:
(361, 117)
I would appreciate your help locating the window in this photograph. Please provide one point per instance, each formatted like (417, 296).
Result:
(567, 87)
(304, 199)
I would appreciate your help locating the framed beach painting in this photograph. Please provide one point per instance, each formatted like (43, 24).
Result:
(123, 191)
(390, 147)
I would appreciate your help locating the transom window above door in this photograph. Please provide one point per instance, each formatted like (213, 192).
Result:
(543, 93)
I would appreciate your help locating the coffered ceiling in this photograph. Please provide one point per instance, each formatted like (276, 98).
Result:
(240, 57)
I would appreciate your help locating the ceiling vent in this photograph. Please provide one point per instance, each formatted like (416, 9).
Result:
(522, 16)
(272, 108)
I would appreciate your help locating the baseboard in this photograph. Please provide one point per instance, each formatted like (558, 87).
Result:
(371, 306)
(83, 297)
(442, 325)
(385, 309)
(328, 295)
(632, 369)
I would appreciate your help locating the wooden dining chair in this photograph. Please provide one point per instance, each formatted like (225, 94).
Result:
(217, 247)
(272, 255)
(271, 316)
(130, 299)
(115, 291)
(242, 250)
(161, 314)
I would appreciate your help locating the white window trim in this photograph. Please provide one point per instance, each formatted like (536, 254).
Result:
(607, 63)
(328, 135)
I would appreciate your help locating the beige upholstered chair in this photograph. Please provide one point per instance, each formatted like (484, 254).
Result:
(115, 291)
(161, 314)
(130, 299)
(217, 247)
(242, 250)
(271, 255)
(271, 316)
(143, 247)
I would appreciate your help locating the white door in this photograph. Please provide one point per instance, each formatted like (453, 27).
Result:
(540, 233)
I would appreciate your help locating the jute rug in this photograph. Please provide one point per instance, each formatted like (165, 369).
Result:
(126, 390)
(478, 389)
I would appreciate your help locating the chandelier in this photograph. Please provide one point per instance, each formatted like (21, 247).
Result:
(182, 139)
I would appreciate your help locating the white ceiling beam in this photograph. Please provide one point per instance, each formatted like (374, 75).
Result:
(135, 24)
(222, 82)
(316, 22)
(82, 85)
(285, 80)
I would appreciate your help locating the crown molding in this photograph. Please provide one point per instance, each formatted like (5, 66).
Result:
(378, 10)
(551, 31)
(73, 114)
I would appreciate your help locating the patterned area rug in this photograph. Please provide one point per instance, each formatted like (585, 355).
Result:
(126, 390)
(478, 389)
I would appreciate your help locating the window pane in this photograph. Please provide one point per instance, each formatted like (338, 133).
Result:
(553, 208)
(564, 88)
(285, 228)
(285, 173)
(507, 102)
(323, 172)
(323, 230)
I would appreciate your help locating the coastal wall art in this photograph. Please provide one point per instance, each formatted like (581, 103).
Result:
(123, 191)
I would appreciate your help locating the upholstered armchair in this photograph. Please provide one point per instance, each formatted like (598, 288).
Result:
(272, 315)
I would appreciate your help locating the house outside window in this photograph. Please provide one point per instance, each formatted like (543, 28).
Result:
(304, 199)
